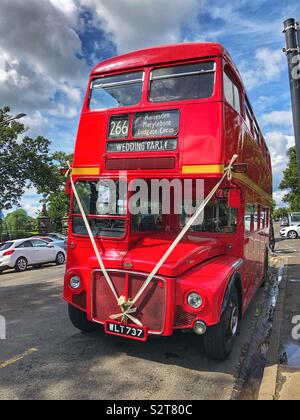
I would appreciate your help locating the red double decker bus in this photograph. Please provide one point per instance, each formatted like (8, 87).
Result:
(171, 113)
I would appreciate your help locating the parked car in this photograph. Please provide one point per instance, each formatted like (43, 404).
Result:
(58, 236)
(285, 223)
(292, 232)
(61, 243)
(29, 252)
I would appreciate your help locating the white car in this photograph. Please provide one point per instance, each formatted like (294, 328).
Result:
(292, 232)
(25, 252)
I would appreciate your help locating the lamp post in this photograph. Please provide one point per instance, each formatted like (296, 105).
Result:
(17, 117)
(292, 50)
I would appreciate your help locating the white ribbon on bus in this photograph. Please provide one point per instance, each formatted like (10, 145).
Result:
(127, 305)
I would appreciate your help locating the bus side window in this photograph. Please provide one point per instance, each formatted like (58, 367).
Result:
(256, 133)
(232, 94)
(256, 218)
(267, 218)
(249, 218)
(248, 115)
(263, 219)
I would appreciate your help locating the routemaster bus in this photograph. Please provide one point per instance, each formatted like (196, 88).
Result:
(170, 113)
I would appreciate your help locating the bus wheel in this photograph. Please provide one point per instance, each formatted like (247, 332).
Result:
(219, 339)
(79, 320)
(266, 271)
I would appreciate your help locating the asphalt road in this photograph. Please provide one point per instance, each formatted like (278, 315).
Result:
(44, 357)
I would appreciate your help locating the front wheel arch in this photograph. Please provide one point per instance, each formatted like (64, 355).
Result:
(235, 281)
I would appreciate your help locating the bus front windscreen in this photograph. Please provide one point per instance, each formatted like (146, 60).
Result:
(191, 81)
(116, 91)
(105, 204)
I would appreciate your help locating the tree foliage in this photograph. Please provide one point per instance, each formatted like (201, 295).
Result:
(55, 197)
(24, 162)
(280, 213)
(18, 224)
(291, 182)
(27, 162)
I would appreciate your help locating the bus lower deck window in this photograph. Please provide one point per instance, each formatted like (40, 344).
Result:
(216, 218)
(192, 81)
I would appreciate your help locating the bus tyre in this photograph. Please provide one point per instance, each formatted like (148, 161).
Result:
(292, 234)
(60, 259)
(80, 321)
(21, 265)
(266, 271)
(219, 339)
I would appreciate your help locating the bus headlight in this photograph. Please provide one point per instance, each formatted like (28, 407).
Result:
(75, 282)
(195, 300)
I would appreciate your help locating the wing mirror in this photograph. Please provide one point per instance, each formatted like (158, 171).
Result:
(234, 199)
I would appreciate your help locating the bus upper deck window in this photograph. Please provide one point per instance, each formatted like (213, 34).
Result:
(116, 91)
(192, 81)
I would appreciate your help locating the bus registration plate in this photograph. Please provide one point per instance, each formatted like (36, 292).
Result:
(126, 330)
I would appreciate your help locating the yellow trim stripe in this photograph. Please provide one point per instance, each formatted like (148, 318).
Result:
(85, 171)
(203, 169)
(247, 181)
(216, 169)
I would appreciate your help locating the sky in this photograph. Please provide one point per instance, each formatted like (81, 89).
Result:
(48, 47)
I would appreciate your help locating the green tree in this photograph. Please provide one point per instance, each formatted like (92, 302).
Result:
(18, 223)
(291, 182)
(23, 162)
(26, 162)
(54, 194)
(280, 213)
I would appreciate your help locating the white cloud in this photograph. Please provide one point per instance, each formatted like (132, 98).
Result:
(64, 111)
(278, 118)
(134, 24)
(279, 144)
(30, 203)
(278, 197)
(291, 141)
(39, 61)
(267, 66)
(67, 7)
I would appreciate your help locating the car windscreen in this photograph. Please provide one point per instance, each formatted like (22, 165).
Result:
(116, 91)
(5, 246)
(192, 81)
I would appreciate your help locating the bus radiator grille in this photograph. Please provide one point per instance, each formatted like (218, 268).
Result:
(151, 307)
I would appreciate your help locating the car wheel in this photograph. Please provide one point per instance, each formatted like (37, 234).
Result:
(21, 265)
(292, 234)
(60, 259)
(80, 321)
(219, 339)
